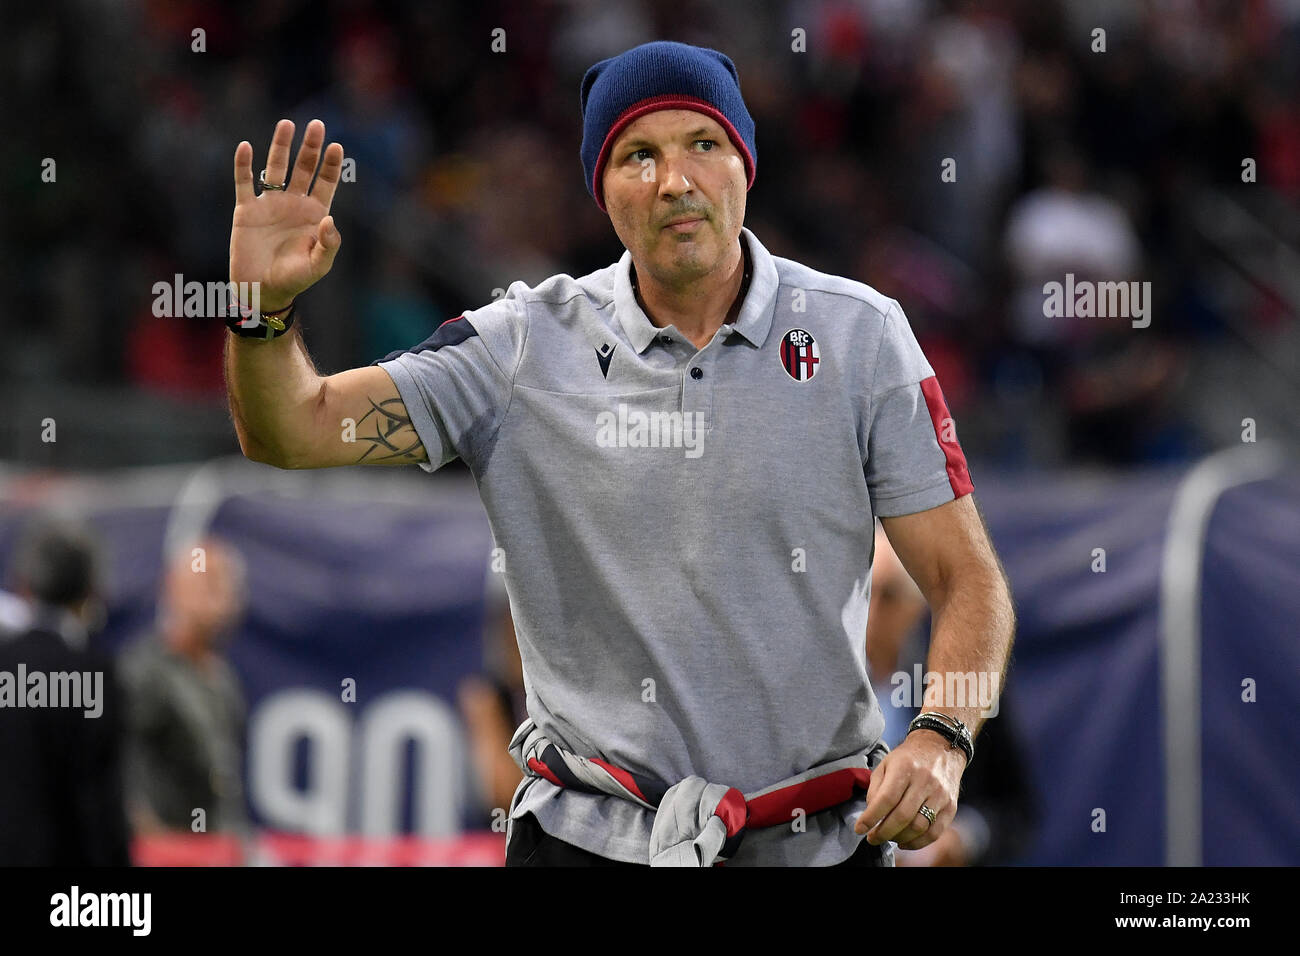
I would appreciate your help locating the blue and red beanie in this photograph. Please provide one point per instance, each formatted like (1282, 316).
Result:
(662, 75)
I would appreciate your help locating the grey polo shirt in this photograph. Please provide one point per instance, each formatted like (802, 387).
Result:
(688, 533)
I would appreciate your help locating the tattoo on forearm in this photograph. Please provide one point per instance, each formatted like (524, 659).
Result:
(394, 437)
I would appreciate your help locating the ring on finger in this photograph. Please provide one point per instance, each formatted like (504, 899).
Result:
(927, 813)
(261, 181)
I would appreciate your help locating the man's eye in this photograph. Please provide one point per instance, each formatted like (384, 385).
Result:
(636, 153)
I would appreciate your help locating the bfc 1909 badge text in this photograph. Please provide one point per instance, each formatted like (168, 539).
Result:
(800, 355)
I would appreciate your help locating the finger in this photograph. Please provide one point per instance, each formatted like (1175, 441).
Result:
(883, 793)
(325, 248)
(244, 173)
(918, 827)
(900, 818)
(277, 157)
(327, 180)
(304, 169)
(935, 830)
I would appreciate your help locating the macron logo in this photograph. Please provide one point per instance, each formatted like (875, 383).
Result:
(102, 909)
(633, 428)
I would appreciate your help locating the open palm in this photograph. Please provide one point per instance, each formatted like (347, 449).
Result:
(285, 240)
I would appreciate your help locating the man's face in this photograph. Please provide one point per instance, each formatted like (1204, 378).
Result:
(210, 601)
(667, 165)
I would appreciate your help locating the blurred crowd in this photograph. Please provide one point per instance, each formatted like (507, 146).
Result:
(1067, 157)
(154, 745)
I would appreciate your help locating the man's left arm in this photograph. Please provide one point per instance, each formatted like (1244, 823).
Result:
(948, 553)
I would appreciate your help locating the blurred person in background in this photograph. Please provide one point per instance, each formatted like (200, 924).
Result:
(995, 820)
(896, 608)
(61, 795)
(186, 713)
(1112, 381)
(493, 703)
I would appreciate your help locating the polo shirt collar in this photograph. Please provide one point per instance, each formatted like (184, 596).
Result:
(753, 322)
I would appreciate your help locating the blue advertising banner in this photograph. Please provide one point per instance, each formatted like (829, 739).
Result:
(364, 616)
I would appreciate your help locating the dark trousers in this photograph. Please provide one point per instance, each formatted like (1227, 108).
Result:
(530, 845)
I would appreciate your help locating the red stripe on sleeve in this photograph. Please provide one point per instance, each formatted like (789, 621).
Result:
(958, 474)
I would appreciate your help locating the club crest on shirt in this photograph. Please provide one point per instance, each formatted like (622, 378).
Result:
(800, 355)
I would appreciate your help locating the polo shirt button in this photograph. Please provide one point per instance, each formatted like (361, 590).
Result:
(666, 340)
(697, 372)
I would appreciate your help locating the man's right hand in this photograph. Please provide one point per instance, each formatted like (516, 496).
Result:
(285, 240)
(286, 414)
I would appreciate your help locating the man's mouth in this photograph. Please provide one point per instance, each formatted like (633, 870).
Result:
(684, 225)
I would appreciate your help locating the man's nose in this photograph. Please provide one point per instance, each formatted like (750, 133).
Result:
(674, 177)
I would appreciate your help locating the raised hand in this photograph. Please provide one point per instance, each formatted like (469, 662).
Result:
(285, 240)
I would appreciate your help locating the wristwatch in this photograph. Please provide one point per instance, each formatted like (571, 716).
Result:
(249, 324)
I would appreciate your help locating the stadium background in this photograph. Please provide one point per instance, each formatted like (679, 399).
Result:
(1125, 164)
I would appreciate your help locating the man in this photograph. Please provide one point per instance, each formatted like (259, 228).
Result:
(492, 703)
(61, 800)
(680, 455)
(186, 711)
